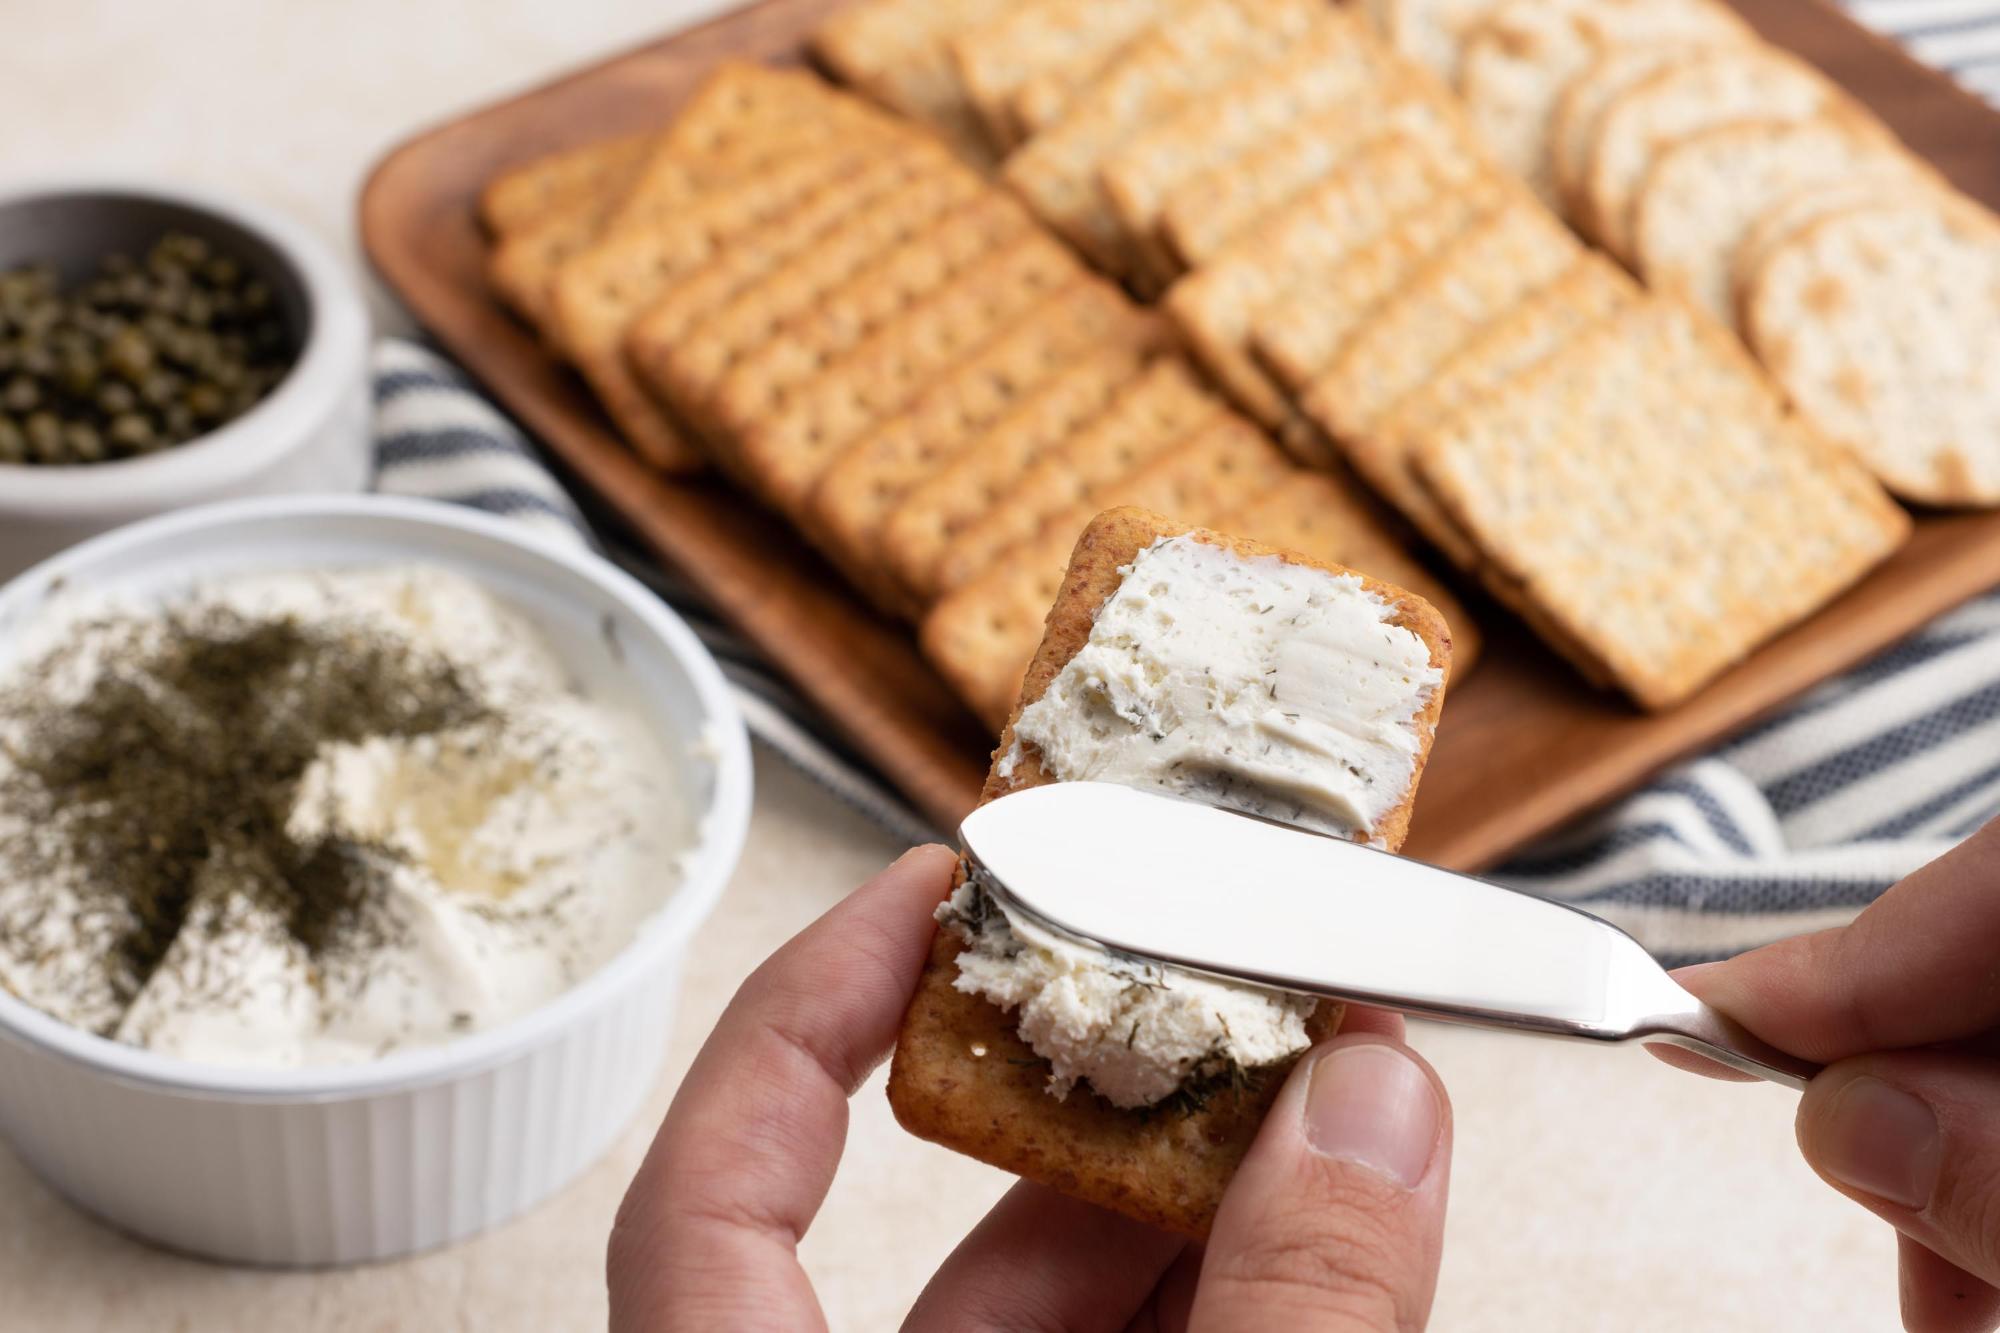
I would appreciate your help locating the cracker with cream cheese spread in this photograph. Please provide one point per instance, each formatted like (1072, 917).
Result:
(963, 1076)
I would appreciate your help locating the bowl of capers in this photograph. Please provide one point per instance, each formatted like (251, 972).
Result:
(162, 346)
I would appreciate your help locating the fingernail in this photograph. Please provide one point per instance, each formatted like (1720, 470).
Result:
(1372, 1105)
(1880, 1140)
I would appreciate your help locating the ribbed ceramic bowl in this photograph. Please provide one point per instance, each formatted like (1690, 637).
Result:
(309, 435)
(347, 1164)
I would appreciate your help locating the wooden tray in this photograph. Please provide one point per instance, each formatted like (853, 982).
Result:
(1525, 743)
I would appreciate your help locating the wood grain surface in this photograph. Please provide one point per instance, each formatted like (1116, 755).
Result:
(1525, 744)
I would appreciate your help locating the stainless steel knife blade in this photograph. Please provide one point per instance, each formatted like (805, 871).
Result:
(1247, 899)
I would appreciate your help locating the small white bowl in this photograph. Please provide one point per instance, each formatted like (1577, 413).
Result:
(348, 1164)
(310, 434)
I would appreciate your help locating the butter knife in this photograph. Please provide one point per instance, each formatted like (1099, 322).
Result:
(1246, 899)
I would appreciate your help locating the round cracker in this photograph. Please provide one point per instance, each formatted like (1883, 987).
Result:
(1796, 208)
(1702, 195)
(1581, 106)
(1518, 61)
(1695, 92)
(1880, 323)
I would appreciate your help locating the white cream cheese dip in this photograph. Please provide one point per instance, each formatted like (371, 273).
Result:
(372, 813)
(1276, 689)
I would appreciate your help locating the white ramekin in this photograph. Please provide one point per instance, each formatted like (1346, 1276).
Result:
(348, 1164)
(311, 434)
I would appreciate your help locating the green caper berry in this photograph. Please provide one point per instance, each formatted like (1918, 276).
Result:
(85, 445)
(132, 432)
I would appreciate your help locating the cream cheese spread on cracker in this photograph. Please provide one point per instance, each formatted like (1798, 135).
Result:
(1275, 689)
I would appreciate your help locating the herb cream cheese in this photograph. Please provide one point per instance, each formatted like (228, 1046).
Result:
(312, 818)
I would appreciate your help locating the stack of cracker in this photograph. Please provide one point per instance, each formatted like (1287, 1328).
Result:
(1339, 245)
(891, 352)
(1345, 214)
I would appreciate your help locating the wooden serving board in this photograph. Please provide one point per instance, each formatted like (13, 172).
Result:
(1525, 744)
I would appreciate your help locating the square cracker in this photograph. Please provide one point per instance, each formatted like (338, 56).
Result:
(744, 116)
(1205, 43)
(962, 1077)
(1655, 433)
(925, 523)
(784, 431)
(911, 175)
(854, 496)
(1165, 405)
(598, 294)
(1338, 64)
(981, 636)
(1207, 212)
(679, 211)
(744, 109)
(522, 264)
(1035, 37)
(1300, 335)
(894, 52)
(1507, 347)
(522, 196)
(1216, 306)
(880, 244)
(1503, 259)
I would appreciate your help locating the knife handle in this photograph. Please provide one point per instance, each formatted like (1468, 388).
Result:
(1712, 1033)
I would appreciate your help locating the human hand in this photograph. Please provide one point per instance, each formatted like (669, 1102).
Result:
(1333, 1222)
(1903, 1008)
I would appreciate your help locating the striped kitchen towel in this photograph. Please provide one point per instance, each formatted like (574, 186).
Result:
(1961, 37)
(1794, 826)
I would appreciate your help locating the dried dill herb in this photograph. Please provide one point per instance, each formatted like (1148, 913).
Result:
(175, 772)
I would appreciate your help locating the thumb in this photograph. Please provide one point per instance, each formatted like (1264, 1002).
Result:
(1336, 1217)
(1914, 1137)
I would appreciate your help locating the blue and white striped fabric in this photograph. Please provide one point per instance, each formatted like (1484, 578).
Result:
(1792, 827)
(1959, 36)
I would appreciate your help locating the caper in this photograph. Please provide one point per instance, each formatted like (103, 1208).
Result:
(206, 401)
(142, 354)
(115, 397)
(44, 433)
(85, 445)
(132, 432)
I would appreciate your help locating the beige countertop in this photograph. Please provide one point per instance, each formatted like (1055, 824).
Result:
(1591, 1190)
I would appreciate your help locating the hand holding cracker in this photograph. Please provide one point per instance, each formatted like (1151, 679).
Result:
(1334, 1219)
